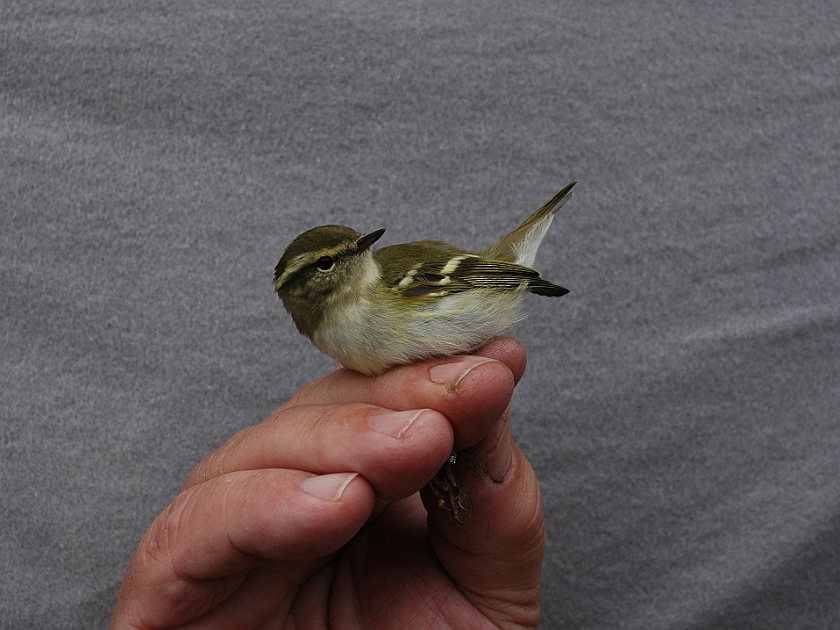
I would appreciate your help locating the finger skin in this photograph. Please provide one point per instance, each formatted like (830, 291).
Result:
(240, 539)
(310, 433)
(198, 552)
(496, 555)
(495, 558)
(339, 438)
(509, 351)
(472, 404)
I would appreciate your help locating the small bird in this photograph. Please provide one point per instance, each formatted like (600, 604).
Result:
(371, 310)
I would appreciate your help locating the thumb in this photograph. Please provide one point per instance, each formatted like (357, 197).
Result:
(495, 557)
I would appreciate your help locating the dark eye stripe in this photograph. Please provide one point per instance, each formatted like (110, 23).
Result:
(303, 271)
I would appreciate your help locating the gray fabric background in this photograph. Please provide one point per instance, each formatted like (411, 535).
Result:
(680, 405)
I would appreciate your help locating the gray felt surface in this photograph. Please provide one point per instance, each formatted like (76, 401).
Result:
(680, 405)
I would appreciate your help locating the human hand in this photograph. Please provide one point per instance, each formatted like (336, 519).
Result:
(313, 517)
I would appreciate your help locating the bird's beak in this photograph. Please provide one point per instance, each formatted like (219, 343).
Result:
(367, 240)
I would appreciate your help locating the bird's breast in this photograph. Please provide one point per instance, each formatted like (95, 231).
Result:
(370, 336)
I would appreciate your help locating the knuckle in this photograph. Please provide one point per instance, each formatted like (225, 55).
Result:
(162, 538)
(220, 461)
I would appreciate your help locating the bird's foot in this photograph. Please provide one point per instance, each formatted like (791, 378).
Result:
(449, 495)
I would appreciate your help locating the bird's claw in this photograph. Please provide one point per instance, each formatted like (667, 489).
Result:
(449, 495)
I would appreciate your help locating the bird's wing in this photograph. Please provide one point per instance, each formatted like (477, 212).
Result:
(468, 271)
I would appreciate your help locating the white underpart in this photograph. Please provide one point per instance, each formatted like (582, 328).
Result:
(363, 336)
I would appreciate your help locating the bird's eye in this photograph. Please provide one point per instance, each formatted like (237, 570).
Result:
(325, 263)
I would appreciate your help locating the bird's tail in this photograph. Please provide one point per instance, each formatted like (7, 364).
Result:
(520, 246)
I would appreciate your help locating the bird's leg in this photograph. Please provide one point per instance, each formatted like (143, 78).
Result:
(449, 496)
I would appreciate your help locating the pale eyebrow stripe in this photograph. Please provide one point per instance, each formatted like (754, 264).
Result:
(294, 266)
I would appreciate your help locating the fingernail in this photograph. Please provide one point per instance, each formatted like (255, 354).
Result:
(394, 423)
(452, 373)
(327, 487)
(498, 460)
